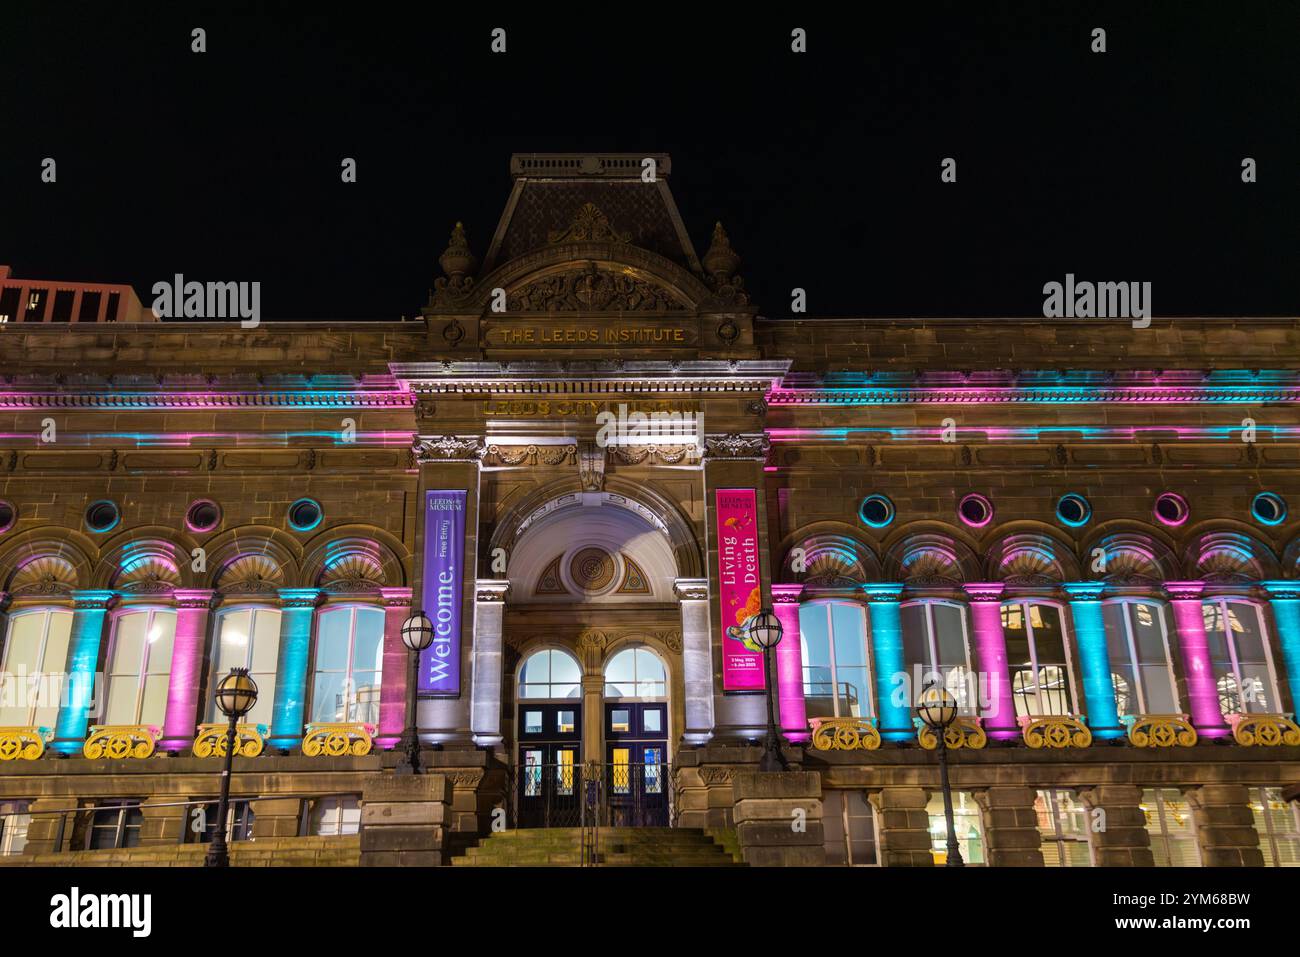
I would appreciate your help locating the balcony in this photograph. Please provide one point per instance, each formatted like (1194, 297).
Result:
(120, 741)
(1264, 730)
(250, 739)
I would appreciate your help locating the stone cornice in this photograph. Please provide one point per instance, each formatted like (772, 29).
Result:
(977, 395)
(167, 401)
(538, 377)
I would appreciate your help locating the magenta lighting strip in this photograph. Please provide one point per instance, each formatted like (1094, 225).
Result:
(10, 399)
(996, 433)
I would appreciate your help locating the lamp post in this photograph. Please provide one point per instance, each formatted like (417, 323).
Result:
(417, 634)
(937, 708)
(236, 694)
(765, 630)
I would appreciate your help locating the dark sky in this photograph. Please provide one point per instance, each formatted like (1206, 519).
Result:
(824, 167)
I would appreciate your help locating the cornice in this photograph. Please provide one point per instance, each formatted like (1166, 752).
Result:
(539, 377)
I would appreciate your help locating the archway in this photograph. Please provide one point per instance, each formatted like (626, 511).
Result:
(636, 724)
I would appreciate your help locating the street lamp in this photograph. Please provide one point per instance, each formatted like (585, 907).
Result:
(236, 694)
(937, 708)
(417, 634)
(764, 630)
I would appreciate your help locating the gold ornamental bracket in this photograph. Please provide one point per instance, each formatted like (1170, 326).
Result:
(118, 742)
(24, 743)
(844, 734)
(1263, 730)
(964, 732)
(336, 739)
(1055, 731)
(1160, 730)
(250, 739)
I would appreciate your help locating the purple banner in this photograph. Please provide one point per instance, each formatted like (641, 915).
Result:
(444, 553)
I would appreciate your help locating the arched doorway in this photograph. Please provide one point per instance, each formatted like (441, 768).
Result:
(636, 715)
(549, 731)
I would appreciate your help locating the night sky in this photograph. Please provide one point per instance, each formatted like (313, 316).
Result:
(824, 167)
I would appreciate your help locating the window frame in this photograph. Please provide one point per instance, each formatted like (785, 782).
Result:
(1234, 660)
(48, 611)
(349, 681)
(636, 679)
(1059, 836)
(1134, 662)
(1163, 831)
(550, 682)
(119, 828)
(932, 644)
(865, 631)
(1024, 605)
(142, 669)
(210, 710)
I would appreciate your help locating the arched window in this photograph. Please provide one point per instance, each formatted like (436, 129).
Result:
(935, 644)
(636, 673)
(247, 638)
(349, 664)
(836, 673)
(139, 666)
(35, 659)
(1243, 665)
(550, 673)
(1037, 658)
(1138, 646)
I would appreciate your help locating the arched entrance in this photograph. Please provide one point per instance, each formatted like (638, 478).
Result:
(594, 618)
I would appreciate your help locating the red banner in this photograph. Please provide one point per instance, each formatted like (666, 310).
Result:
(740, 587)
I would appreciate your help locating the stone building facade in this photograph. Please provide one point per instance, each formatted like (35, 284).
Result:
(1080, 527)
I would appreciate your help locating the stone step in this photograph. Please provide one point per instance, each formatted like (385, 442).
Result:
(617, 847)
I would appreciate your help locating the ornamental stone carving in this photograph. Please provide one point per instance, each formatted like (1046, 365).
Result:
(588, 288)
(736, 446)
(448, 448)
(589, 225)
(529, 454)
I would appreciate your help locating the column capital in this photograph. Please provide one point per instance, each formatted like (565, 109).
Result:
(1282, 590)
(1084, 591)
(491, 589)
(396, 597)
(787, 594)
(300, 597)
(1184, 591)
(984, 591)
(94, 599)
(883, 591)
(691, 589)
(447, 448)
(194, 597)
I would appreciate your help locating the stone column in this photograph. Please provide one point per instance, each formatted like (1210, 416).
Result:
(396, 668)
(90, 608)
(1094, 661)
(1119, 834)
(1225, 826)
(894, 694)
(789, 664)
(451, 462)
(1194, 667)
(593, 717)
(991, 660)
(183, 706)
(288, 712)
(903, 826)
(697, 659)
(1011, 834)
(778, 817)
(404, 820)
(489, 654)
(735, 461)
(1284, 596)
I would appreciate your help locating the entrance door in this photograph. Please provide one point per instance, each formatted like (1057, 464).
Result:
(636, 763)
(549, 773)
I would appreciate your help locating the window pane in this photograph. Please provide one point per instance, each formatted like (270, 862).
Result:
(1278, 824)
(564, 722)
(564, 668)
(916, 649)
(532, 722)
(1248, 640)
(154, 707)
(619, 720)
(966, 824)
(652, 721)
(365, 697)
(128, 643)
(369, 653)
(161, 637)
(266, 641)
(22, 661)
(328, 702)
(332, 640)
(816, 652)
(1169, 822)
(234, 631)
(948, 621)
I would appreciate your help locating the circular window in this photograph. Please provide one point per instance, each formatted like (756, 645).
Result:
(877, 511)
(305, 514)
(1171, 508)
(1073, 509)
(203, 516)
(975, 510)
(1269, 508)
(102, 516)
(7, 516)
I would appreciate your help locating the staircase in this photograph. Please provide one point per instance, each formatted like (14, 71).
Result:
(619, 847)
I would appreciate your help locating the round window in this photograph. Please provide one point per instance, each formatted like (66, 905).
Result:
(1073, 510)
(876, 511)
(1171, 508)
(7, 516)
(1268, 508)
(304, 515)
(975, 510)
(203, 515)
(102, 516)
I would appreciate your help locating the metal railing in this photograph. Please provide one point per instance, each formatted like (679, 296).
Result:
(589, 796)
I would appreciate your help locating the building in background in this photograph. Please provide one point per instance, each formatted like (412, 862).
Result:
(590, 460)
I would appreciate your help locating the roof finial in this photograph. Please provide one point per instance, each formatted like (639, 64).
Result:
(457, 260)
(721, 260)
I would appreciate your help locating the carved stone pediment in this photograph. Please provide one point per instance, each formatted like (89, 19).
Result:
(589, 288)
(589, 225)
